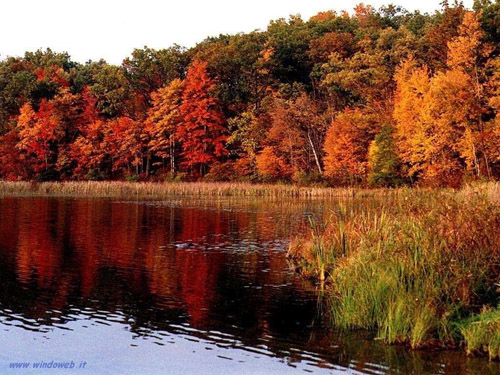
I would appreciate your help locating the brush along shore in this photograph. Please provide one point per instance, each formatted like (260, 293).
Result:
(420, 268)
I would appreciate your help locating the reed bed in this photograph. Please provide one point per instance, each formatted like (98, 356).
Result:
(153, 190)
(422, 269)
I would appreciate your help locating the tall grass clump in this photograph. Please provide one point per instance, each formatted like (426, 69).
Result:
(413, 266)
(320, 256)
(482, 332)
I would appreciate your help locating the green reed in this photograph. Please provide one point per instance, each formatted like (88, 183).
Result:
(482, 332)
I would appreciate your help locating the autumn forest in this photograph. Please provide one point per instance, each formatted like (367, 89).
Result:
(371, 97)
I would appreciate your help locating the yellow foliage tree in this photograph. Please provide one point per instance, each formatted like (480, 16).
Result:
(439, 119)
(163, 118)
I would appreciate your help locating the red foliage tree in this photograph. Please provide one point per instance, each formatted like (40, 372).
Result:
(11, 162)
(201, 130)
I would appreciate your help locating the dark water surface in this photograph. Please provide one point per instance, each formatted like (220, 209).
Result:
(179, 287)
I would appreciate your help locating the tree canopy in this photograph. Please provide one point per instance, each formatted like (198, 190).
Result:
(372, 97)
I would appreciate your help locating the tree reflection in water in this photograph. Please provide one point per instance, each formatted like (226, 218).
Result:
(211, 272)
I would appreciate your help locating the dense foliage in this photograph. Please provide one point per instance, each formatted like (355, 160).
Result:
(378, 97)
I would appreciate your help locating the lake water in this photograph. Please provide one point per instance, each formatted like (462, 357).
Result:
(174, 288)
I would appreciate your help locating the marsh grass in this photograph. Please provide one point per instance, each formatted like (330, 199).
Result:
(413, 266)
(154, 190)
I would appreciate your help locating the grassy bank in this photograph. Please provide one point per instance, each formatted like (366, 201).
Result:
(151, 190)
(422, 268)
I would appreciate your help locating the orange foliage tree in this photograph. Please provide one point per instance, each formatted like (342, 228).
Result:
(39, 133)
(295, 137)
(89, 152)
(125, 140)
(270, 165)
(346, 146)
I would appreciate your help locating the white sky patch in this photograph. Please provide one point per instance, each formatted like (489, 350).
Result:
(111, 29)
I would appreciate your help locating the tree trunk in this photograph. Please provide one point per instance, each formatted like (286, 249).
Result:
(148, 164)
(172, 155)
(314, 153)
